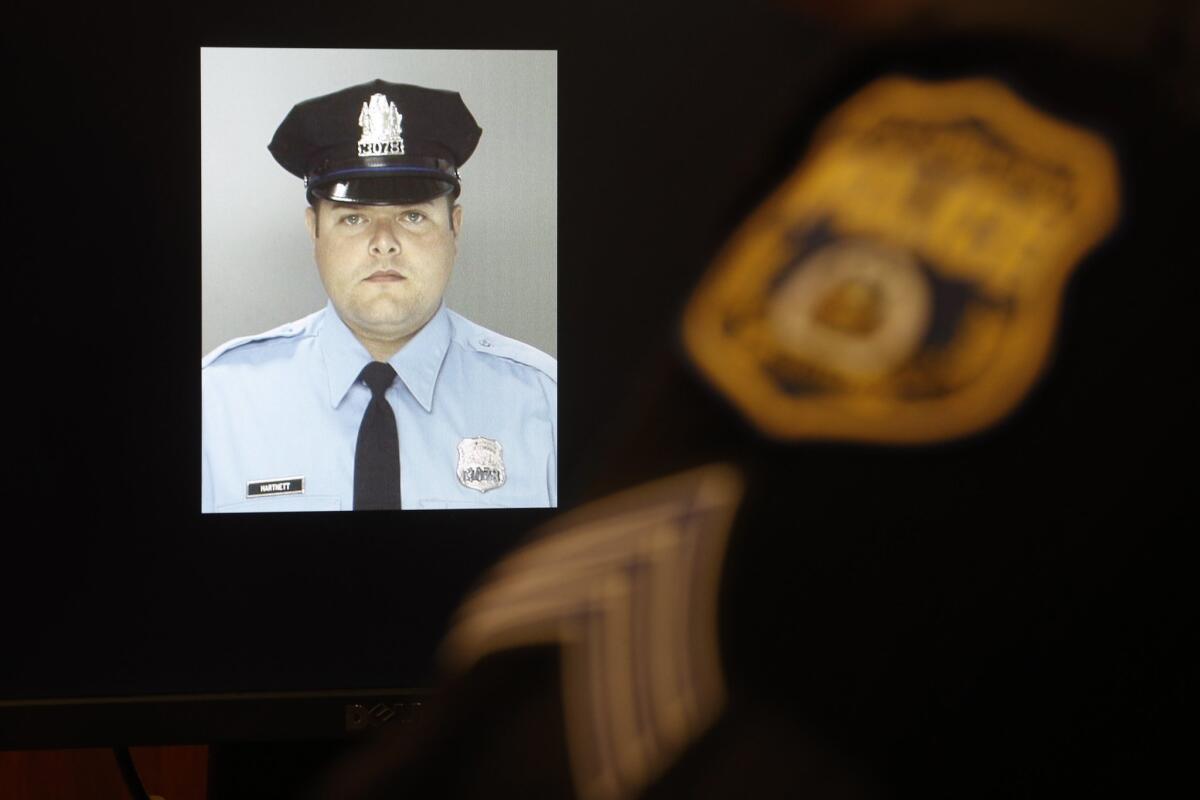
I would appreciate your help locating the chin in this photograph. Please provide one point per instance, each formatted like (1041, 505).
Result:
(387, 309)
(399, 322)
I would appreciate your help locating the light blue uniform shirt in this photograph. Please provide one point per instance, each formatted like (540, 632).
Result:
(286, 404)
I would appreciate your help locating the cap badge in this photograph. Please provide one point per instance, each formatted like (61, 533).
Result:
(481, 464)
(381, 132)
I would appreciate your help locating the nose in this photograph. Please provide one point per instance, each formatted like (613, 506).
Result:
(384, 241)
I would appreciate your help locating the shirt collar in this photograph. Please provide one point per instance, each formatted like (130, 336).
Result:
(417, 363)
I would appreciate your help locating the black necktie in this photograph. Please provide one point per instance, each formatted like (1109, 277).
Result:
(377, 452)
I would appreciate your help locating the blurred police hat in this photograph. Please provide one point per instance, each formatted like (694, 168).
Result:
(378, 143)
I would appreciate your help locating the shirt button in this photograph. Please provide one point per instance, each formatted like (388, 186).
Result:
(485, 342)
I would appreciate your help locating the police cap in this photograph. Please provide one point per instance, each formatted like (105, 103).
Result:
(378, 143)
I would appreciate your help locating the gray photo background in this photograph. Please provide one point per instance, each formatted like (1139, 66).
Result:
(257, 263)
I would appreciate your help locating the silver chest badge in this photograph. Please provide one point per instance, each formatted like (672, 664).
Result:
(481, 464)
(380, 123)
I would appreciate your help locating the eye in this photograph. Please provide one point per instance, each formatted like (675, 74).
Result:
(354, 219)
(413, 217)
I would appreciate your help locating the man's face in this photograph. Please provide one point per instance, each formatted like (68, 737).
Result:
(385, 267)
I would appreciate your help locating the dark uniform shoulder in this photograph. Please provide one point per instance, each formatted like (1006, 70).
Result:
(626, 589)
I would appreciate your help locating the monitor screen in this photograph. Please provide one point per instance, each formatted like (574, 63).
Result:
(206, 243)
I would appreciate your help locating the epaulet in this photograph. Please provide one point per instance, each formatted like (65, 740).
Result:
(626, 587)
(488, 342)
(288, 329)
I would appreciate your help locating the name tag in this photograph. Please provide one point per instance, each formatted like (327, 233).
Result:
(275, 486)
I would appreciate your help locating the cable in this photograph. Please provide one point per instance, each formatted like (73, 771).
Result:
(129, 772)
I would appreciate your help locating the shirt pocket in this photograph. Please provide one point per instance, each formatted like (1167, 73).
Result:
(284, 502)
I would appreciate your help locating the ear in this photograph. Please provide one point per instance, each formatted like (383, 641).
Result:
(456, 217)
(310, 222)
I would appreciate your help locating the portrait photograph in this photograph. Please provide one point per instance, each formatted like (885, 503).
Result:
(386, 206)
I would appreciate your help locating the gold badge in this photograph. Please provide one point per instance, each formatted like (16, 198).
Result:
(903, 284)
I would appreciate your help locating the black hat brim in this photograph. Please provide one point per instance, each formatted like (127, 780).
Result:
(384, 190)
(387, 180)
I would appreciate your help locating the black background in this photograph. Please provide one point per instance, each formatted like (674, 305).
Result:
(1019, 594)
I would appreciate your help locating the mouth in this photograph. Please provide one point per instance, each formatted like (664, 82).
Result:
(384, 276)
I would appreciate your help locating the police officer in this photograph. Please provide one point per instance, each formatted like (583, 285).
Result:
(996, 616)
(385, 398)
